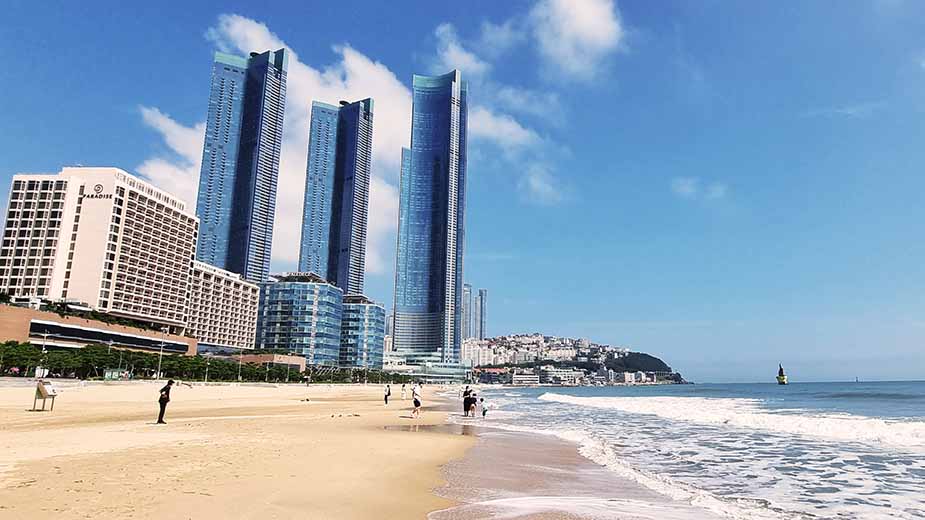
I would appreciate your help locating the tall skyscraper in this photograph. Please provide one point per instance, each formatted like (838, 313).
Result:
(481, 314)
(429, 267)
(466, 325)
(336, 203)
(240, 162)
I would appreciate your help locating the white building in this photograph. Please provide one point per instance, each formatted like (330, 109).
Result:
(222, 310)
(101, 237)
(525, 379)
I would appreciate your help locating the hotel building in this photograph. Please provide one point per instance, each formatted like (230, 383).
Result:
(432, 202)
(100, 237)
(362, 340)
(222, 310)
(301, 313)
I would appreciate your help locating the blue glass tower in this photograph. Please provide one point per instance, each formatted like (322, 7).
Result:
(335, 211)
(301, 314)
(240, 162)
(429, 267)
(362, 333)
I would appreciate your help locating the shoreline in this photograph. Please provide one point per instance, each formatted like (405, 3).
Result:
(228, 451)
(523, 475)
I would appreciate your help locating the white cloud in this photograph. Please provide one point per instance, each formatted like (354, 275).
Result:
(575, 37)
(693, 188)
(545, 105)
(686, 187)
(539, 186)
(496, 39)
(178, 173)
(501, 129)
(451, 55)
(855, 111)
(352, 76)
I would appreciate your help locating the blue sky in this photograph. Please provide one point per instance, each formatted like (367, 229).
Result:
(724, 184)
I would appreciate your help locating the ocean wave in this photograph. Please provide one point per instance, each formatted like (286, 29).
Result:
(749, 414)
(599, 451)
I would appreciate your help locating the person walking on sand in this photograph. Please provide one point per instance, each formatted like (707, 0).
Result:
(388, 392)
(403, 391)
(416, 400)
(163, 400)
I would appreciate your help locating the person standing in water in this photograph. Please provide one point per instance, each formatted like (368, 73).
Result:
(388, 392)
(163, 400)
(467, 401)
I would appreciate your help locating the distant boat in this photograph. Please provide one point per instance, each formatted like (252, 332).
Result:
(781, 377)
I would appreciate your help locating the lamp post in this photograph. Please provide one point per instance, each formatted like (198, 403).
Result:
(160, 357)
(208, 361)
(44, 351)
(240, 359)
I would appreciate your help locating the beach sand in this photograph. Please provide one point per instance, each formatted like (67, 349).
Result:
(228, 451)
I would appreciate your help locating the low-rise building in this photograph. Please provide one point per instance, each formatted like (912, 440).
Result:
(362, 333)
(525, 378)
(51, 330)
(301, 313)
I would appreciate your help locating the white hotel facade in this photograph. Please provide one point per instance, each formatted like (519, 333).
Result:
(222, 308)
(103, 238)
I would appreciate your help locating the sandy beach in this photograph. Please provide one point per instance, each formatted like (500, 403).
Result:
(228, 451)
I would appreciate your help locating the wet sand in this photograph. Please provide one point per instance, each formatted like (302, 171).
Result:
(514, 475)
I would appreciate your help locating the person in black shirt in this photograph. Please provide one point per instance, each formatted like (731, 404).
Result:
(163, 400)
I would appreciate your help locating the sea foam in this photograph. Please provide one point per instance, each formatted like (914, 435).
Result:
(748, 414)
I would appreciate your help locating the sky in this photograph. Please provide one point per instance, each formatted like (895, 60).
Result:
(726, 185)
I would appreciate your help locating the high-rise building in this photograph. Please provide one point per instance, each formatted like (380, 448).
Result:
(481, 314)
(429, 267)
(301, 313)
(222, 309)
(362, 333)
(240, 162)
(103, 238)
(466, 325)
(334, 217)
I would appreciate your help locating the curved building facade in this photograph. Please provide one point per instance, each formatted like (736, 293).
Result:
(362, 333)
(300, 314)
(428, 277)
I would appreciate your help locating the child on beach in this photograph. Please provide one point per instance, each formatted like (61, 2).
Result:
(484, 407)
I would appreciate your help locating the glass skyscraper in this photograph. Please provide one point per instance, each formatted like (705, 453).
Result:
(301, 314)
(466, 325)
(428, 278)
(362, 333)
(334, 217)
(481, 314)
(240, 162)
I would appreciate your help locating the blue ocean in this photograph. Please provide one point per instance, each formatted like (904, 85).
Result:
(749, 451)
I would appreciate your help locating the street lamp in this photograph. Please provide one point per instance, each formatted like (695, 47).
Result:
(160, 356)
(208, 361)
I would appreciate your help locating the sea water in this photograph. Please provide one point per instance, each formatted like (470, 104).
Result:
(746, 451)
